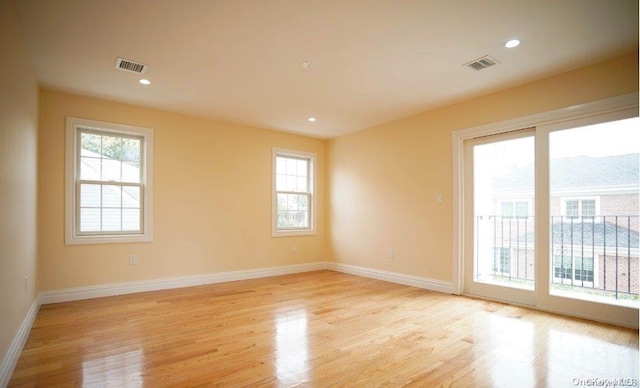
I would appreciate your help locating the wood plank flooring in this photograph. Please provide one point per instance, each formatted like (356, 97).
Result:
(316, 329)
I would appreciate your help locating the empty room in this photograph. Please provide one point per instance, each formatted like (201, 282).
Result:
(319, 193)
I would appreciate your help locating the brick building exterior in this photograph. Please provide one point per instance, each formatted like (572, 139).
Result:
(595, 216)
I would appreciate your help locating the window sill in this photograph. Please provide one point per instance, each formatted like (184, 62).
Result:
(76, 240)
(293, 233)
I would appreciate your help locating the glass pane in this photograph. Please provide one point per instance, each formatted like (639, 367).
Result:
(301, 185)
(111, 170)
(90, 144)
(303, 205)
(131, 197)
(594, 243)
(282, 201)
(291, 167)
(131, 149)
(504, 251)
(89, 220)
(282, 220)
(111, 147)
(90, 195)
(292, 202)
(522, 209)
(111, 220)
(130, 219)
(291, 183)
(588, 208)
(111, 196)
(90, 169)
(281, 182)
(302, 168)
(573, 208)
(131, 172)
(290, 213)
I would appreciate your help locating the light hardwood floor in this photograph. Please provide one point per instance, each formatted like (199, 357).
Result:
(315, 329)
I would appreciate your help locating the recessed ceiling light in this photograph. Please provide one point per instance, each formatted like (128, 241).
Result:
(306, 64)
(312, 119)
(145, 81)
(512, 43)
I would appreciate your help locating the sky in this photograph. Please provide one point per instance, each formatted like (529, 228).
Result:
(611, 138)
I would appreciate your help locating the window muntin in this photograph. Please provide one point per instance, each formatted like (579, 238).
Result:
(572, 208)
(579, 207)
(293, 192)
(109, 182)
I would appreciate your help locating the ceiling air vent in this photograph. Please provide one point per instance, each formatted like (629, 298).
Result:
(481, 63)
(134, 67)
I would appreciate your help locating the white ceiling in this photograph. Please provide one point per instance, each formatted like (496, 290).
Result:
(374, 61)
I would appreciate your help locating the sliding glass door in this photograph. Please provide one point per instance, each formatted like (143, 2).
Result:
(500, 176)
(594, 191)
(550, 214)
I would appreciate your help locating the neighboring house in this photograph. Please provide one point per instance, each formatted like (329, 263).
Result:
(594, 222)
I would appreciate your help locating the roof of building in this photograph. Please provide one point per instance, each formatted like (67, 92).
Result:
(577, 172)
(596, 234)
(614, 231)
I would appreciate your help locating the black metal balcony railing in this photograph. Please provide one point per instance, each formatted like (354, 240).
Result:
(598, 255)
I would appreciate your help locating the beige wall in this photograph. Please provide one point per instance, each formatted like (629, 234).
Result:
(383, 181)
(212, 199)
(213, 186)
(18, 162)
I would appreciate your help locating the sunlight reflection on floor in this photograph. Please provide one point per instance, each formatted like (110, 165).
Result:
(512, 352)
(119, 370)
(292, 347)
(582, 357)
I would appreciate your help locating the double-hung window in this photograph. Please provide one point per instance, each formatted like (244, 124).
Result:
(293, 192)
(576, 268)
(580, 207)
(108, 182)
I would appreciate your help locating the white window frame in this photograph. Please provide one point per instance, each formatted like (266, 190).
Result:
(580, 216)
(72, 235)
(311, 157)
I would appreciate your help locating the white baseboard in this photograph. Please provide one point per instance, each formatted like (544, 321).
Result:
(13, 354)
(80, 293)
(393, 277)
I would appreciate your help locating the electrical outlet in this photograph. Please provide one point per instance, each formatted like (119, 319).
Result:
(391, 253)
(294, 248)
(439, 198)
(133, 259)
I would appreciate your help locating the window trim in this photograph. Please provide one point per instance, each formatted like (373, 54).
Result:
(312, 157)
(72, 235)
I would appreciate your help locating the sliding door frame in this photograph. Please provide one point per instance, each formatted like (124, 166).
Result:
(620, 107)
(496, 291)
